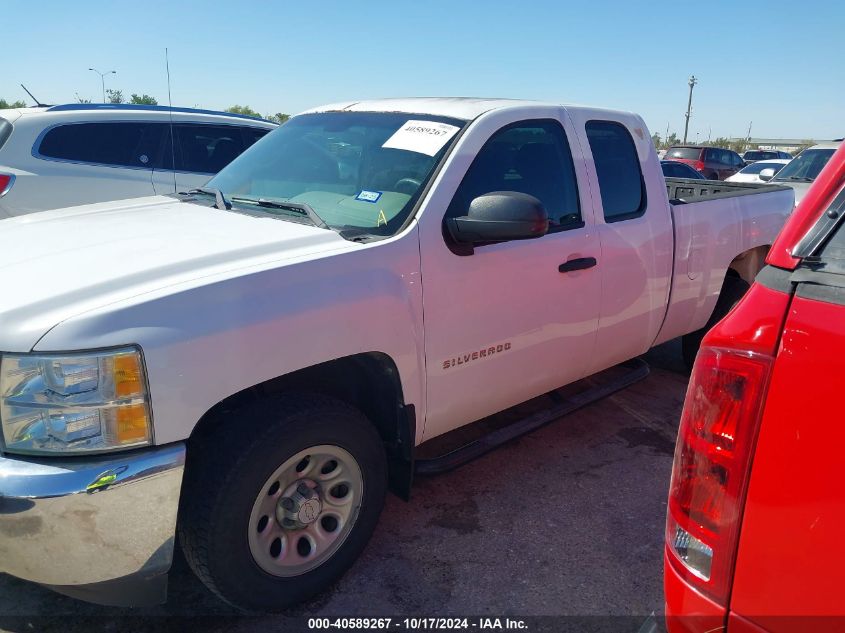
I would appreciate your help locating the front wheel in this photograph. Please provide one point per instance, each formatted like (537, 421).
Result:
(281, 499)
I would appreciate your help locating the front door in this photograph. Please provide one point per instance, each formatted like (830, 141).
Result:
(504, 324)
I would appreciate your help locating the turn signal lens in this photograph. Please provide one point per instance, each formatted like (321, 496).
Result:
(74, 403)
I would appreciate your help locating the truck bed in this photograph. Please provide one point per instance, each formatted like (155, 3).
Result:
(713, 221)
(685, 190)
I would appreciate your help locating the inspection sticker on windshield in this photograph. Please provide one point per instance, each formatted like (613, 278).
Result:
(424, 137)
(369, 196)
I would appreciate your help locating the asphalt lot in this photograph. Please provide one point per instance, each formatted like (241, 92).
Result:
(565, 521)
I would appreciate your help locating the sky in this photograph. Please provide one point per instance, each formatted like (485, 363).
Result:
(776, 65)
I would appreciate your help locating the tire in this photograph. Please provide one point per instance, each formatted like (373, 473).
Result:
(228, 483)
(733, 289)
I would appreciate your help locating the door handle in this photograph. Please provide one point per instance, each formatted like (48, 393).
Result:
(580, 263)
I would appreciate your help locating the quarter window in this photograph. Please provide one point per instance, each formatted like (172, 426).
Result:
(130, 144)
(618, 169)
(530, 157)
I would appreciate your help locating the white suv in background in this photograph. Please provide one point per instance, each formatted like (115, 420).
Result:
(67, 155)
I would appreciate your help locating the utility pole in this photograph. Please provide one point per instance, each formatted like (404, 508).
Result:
(748, 135)
(692, 82)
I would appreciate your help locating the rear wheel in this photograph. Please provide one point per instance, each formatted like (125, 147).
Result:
(280, 500)
(733, 289)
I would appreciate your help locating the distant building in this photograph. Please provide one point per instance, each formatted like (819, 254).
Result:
(782, 144)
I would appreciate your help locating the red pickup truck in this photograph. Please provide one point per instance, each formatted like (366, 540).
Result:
(756, 509)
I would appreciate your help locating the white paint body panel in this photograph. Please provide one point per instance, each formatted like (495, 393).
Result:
(220, 301)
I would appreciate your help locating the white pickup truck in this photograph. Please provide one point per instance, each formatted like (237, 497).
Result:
(248, 368)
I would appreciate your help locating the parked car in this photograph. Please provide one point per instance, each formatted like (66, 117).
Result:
(715, 163)
(756, 499)
(803, 169)
(761, 171)
(253, 364)
(677, 169)
(753, 155)
(67, 155)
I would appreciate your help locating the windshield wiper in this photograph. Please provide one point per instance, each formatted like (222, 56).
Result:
(797, 178)
(220, 200)
(297, 207)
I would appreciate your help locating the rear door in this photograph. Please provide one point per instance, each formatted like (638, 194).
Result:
(505, 324)
(635, 228)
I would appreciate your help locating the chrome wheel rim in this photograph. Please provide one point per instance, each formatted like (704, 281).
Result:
(305, 510)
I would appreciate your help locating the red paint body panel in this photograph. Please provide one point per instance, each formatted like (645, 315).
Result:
(788, 568)
(790, 560)
(754, 324)
(688, 611)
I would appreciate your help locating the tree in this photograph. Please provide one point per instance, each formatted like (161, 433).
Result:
(238, 109)
(672, 139)
(655, 138)
(278, 117)
(143, 99)
(738, 145)
(114, 96)
(14, 104)
(80, 99)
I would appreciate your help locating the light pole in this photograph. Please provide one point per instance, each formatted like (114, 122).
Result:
(102, 80)
(692, 82)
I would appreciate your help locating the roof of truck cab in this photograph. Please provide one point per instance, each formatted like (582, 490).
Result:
(466, 108)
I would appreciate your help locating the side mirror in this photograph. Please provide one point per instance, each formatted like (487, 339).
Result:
(766, 174)
(500, 216)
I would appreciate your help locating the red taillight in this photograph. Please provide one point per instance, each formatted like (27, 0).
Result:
(717, 433)
(6, 181)
(699, 165)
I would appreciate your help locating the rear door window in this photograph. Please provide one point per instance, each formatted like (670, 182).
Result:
(252, 134)
(684, 153)
(206, 149)
(116, 144)
(618, 169)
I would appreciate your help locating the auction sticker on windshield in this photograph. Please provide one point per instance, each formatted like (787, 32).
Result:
(424, 137)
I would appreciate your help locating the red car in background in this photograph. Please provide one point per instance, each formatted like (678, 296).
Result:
(756, 513)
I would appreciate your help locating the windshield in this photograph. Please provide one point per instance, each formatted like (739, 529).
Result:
(806, 166)
(684, 153)
(359, 171)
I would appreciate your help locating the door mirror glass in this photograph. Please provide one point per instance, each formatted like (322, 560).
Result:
(500, 216)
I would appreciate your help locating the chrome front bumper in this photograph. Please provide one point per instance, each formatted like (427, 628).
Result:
(100, 528)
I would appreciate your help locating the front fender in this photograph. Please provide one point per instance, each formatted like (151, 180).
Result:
(209, 341)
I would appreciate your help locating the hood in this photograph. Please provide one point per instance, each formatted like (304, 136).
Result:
(56, 264)
(800, 188)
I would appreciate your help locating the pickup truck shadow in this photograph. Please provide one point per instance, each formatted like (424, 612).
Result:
(567, 520)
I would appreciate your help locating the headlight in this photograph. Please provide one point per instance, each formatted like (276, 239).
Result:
(69, 403)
